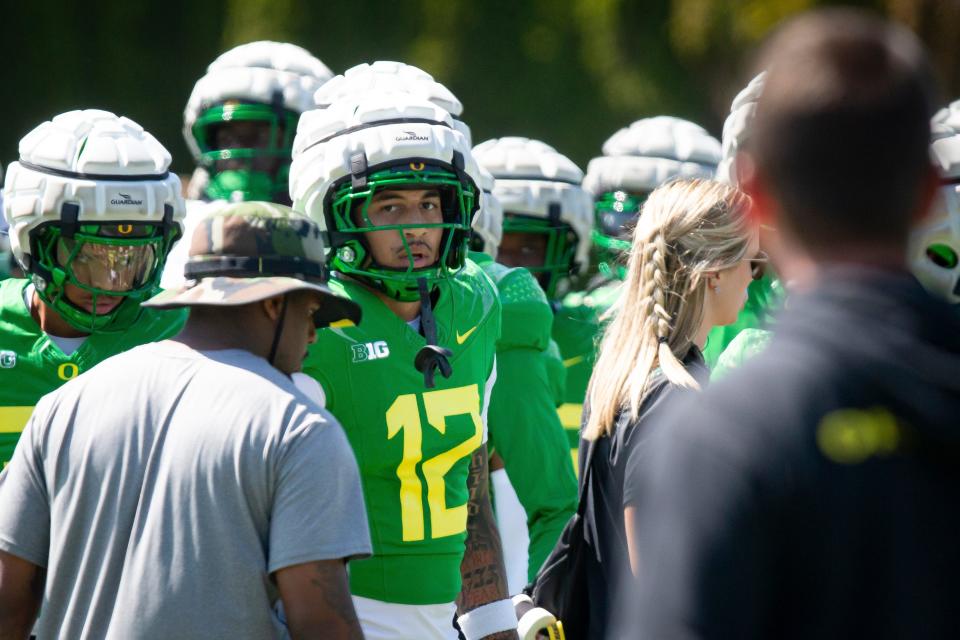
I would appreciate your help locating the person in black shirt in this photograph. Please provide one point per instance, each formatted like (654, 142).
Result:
(688, 271)
(813, 493)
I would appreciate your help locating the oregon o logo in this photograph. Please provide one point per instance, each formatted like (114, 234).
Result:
(68, 371)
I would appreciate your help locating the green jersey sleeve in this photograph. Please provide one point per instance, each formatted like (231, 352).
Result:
(413, 445)
(577, 329)
(32, 365)
(525, 431)
(527, 317)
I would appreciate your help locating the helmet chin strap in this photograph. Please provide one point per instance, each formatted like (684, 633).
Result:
(432, 356)
(278, 331)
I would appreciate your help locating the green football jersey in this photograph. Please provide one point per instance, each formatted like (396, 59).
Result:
(32, 365)
(524, 426)
(763, 297)
(577, 329)
(413, 445)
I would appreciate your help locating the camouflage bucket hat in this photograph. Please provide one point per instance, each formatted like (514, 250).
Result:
(250, 251)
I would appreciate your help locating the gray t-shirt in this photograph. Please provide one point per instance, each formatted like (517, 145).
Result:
(161, 489)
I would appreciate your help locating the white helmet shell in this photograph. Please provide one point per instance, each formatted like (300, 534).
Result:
(359, 134)
(255, 72)
(106, 165)
(949, 115)
(531, 176)
(385, 76)
(736, 128)
(941, 227)
(641, 157)
(488, 223)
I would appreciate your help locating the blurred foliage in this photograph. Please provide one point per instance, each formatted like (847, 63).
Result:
(570, 72)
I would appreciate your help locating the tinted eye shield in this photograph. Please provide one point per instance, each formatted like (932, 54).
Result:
(115, 258)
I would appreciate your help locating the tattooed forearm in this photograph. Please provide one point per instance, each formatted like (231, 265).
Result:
(484, 578)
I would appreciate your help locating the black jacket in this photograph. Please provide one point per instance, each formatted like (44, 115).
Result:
(816, 492)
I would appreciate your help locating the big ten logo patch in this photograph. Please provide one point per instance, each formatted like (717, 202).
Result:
(366, 351)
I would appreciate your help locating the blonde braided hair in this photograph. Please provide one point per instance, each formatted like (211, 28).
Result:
(686, 228)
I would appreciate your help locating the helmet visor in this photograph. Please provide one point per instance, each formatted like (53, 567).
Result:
(117, 259)
(616, 213)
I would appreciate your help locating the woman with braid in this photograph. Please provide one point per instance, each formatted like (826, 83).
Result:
(692, 258)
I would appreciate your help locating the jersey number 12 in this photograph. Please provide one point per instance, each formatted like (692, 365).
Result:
(404, 416)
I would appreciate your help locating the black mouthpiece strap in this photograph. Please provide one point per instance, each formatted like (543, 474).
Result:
(427, 321)
(432, 356)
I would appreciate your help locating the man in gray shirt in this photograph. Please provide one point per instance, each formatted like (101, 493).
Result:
(180, 489)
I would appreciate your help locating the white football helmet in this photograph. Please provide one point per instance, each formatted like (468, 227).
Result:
(268, 83)
(948, 115)
(736, 128)
(540, 192)
(488, 223)
(345, 153)
(638, 159)
(91, 203)
(934, 247)
(385, 76)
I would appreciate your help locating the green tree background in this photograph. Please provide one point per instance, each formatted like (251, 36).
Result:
(569, 72)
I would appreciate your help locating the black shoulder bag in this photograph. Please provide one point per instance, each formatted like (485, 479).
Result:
(561, 584)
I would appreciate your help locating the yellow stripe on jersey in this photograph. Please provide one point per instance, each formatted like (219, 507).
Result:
(570, 415)
(14, 419)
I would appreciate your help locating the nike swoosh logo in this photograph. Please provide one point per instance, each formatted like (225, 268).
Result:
(463, 338)
(569, 362)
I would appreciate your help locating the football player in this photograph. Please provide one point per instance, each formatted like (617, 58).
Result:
(533, 501)
(546, 229)
(395, 186)
(93, 211)
(239, 124)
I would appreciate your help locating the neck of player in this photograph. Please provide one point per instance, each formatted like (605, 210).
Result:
(51, 322)
(406, 311)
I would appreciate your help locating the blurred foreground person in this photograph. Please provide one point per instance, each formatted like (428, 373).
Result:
(173, 491)
(687, 272)
(813, 493)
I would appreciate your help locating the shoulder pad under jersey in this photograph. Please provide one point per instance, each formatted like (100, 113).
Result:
(527, 316)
